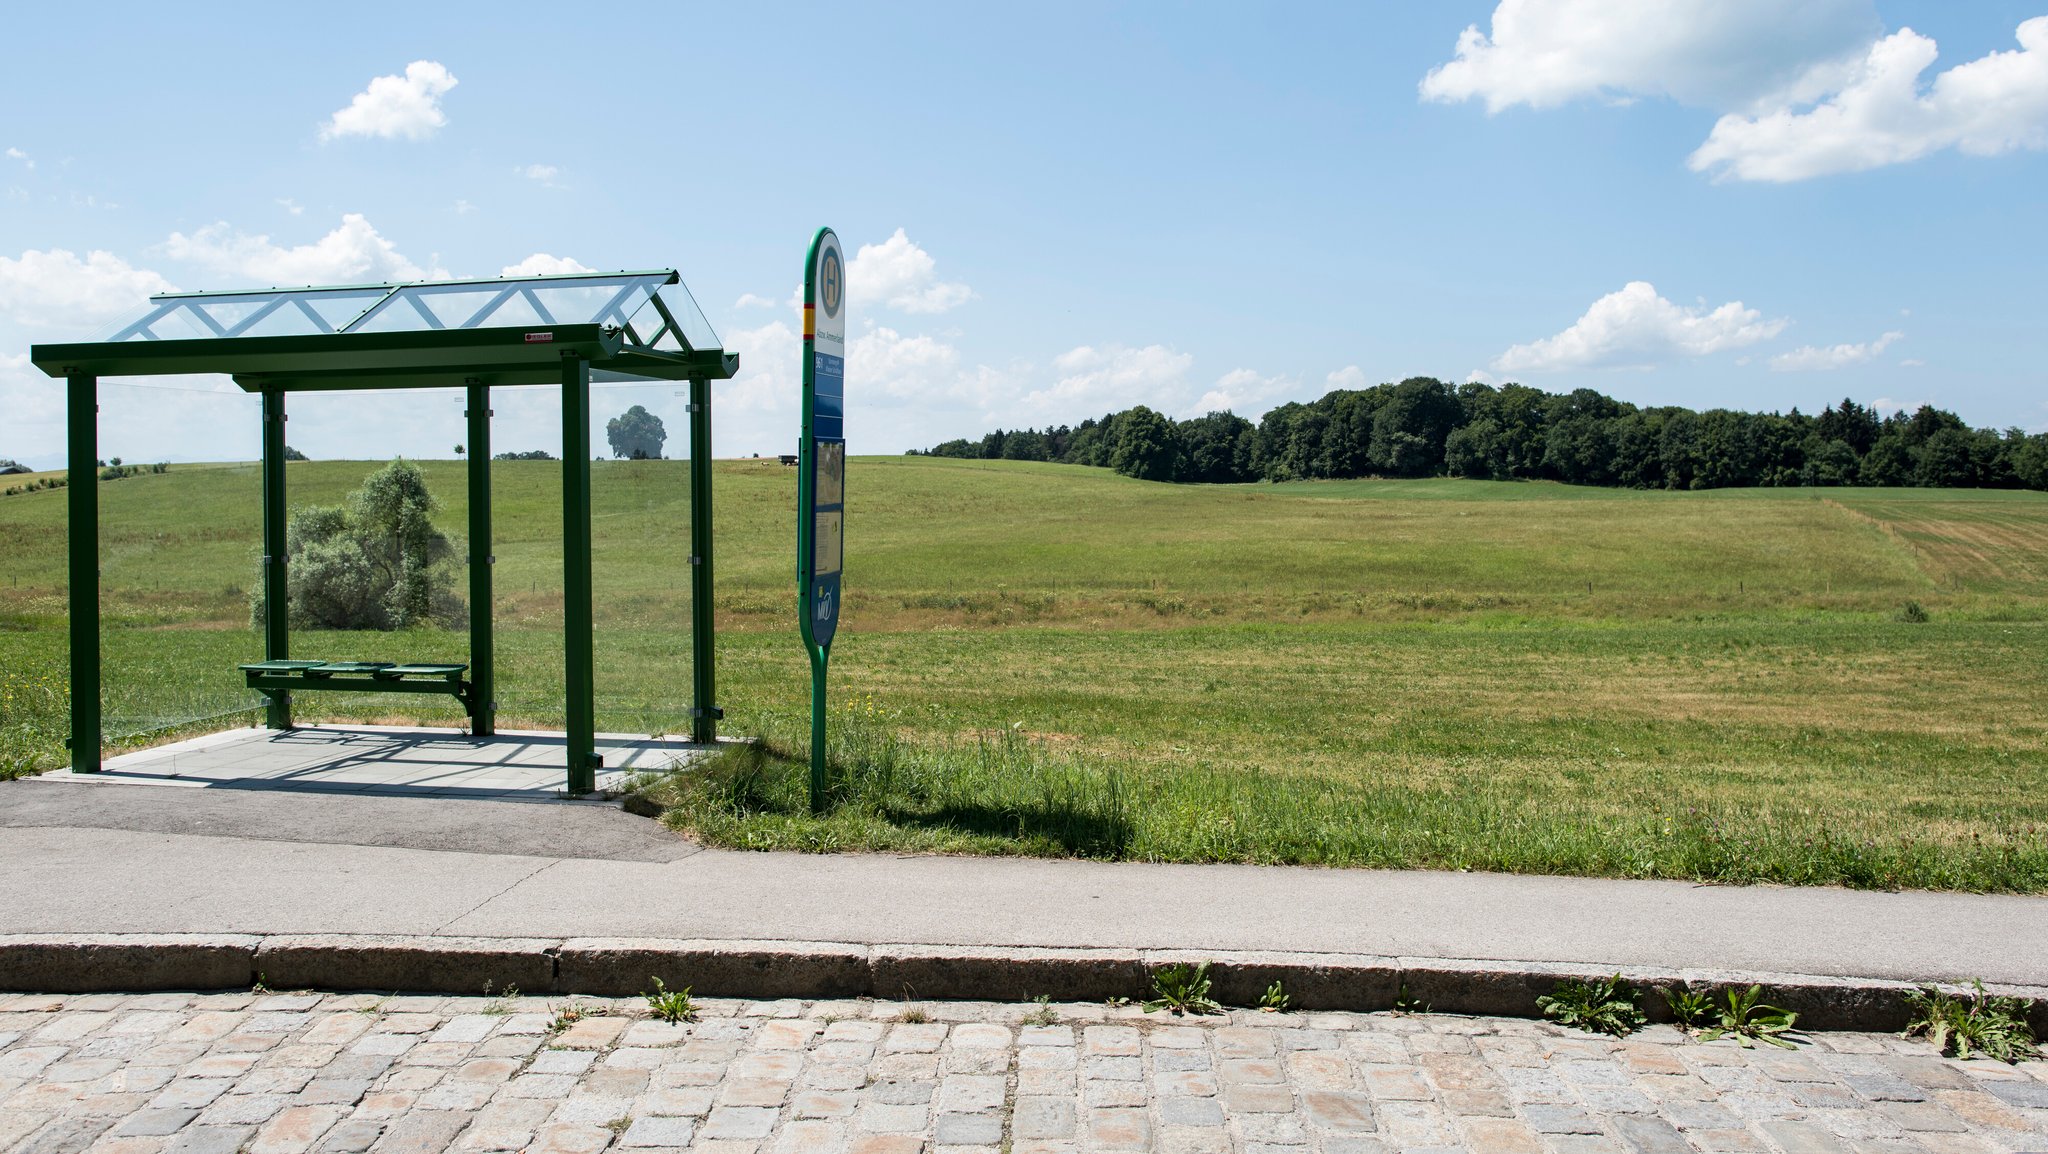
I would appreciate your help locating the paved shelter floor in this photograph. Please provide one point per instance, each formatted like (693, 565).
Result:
(515, 765)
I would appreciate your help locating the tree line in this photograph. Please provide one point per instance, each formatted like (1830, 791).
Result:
(1423, 427)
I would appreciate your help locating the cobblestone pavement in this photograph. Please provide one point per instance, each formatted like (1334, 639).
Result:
(269, 1072)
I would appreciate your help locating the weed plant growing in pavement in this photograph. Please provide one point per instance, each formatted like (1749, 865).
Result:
(1973, 1021)
(1690, 1008)
(1275, 999)
(1182, 989)
(1042, 1014)
(1744, 1016)
(670, 1006)
(1407, 1003)
(1601, 1006)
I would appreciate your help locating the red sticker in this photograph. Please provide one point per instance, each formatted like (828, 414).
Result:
(539, 338)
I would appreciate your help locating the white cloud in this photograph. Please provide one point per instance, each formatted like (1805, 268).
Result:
(753, 301)
(395, 106)
(352, 253)
(902, 276)
(1110, 378)
(539, 173)
(1241, 391)
(1883, 116)
(18, 154)
(1912, 363)
(1348, 377)
(1888, 405)
(291, 206)
(58, 290)
(1813, 358)
(1477, 377)
(1635, 327)
(1716, 53)
(544, 264)
(464, 208)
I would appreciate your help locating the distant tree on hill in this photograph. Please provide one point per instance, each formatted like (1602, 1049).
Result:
(529, 455)
(636, 433)
(1147, 446)
(291, 454)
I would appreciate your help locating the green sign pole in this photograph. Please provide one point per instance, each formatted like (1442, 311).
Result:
(821, 477)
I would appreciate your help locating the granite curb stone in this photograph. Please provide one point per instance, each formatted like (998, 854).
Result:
(623, 967)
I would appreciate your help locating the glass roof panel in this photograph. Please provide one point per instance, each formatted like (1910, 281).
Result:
(394, 314)
(337, 309)
(286, 320)
(517, 312)
(609, 299)
(682, 308)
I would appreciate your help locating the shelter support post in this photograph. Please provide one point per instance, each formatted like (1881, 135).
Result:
(82, 483)
(483, 678)
(276, 594)
(578, 656)
(704, 711)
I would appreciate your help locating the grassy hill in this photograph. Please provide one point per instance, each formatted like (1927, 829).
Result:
(1448, 673)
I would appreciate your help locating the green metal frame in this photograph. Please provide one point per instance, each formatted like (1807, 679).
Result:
(474, 359)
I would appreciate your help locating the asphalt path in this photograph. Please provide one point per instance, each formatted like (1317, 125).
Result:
(134, 859)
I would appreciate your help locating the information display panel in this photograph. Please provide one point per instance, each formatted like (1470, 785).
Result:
(822, 488)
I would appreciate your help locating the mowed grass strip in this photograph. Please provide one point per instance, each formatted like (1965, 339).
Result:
(1049, 659)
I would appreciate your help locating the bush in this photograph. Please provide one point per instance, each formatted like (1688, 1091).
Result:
(377, 563)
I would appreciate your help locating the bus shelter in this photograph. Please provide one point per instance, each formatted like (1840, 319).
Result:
(474, 335)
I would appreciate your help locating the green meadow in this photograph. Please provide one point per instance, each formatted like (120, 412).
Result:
(1807, 686)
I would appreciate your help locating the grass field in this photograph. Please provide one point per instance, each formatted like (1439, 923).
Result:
(1053, 659)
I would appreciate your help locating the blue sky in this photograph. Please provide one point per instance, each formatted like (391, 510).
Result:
(1067, 209)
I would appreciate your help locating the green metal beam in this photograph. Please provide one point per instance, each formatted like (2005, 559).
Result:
(704, 711)
(276, 592)
(660, 366)
(578, 647)
(456, 350)
(82, 482)
(483, 713)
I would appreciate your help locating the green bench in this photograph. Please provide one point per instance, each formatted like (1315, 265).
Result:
(271, 678)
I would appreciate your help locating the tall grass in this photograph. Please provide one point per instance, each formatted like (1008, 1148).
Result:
(1004, 791)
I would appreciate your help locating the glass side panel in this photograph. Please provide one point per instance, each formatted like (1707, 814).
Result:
(683, 307)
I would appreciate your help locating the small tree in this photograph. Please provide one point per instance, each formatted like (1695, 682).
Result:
(636, 433)
(375, 563)
(291, 454)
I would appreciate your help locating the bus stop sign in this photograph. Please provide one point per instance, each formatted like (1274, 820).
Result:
(821, 477)
(821, 482)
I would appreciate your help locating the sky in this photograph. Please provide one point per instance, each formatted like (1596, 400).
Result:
(1055, 211)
